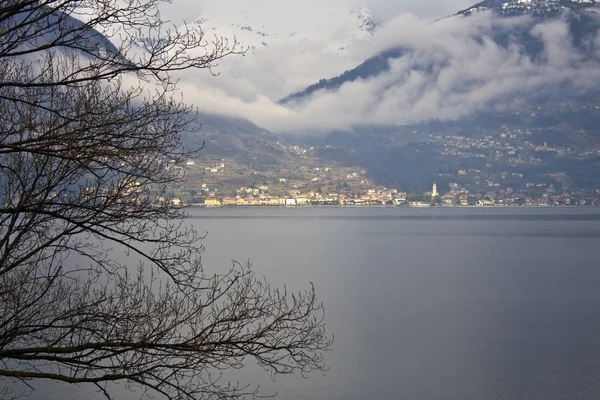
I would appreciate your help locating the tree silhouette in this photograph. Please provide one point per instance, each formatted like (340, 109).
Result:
(90, 128)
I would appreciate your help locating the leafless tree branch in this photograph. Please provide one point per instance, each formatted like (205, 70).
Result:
(85, 156)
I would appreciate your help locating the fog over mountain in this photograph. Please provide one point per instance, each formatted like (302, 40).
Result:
(449, 69)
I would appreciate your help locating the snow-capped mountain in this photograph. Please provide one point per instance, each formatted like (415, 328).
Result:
(361, 26)
(262, 23)
(533, 7)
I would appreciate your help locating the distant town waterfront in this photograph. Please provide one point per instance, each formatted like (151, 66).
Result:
(381, 197)
(386, 197)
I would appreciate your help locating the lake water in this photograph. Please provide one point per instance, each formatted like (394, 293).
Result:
(431, 304)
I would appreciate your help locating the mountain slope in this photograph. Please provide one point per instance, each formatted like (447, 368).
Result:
(371, 67)
(235, 139)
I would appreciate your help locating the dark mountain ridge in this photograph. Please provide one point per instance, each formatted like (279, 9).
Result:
(538, 8)
(54, 29)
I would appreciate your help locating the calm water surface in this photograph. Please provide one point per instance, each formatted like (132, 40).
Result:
(433, 303)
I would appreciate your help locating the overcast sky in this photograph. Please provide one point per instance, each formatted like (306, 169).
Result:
(188, 10)
(386, 9)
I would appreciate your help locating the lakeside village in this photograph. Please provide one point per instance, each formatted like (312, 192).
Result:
(372, 197)
(381, 196)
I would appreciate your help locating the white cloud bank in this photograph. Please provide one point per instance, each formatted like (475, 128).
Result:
(452, 69)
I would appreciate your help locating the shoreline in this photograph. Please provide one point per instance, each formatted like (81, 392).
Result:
(381, 206)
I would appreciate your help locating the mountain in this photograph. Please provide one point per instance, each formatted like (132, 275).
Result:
(581, 16)
(480, 96)
(541, 145)
(329, 22)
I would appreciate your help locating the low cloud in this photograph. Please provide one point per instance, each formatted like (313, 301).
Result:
(452, 69)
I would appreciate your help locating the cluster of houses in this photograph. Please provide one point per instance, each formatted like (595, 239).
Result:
(254, 201)
(371, 197)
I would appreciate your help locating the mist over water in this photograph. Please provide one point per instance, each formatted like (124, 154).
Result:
(428, 304)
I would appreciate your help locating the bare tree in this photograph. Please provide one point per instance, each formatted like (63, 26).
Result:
(84, 154)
